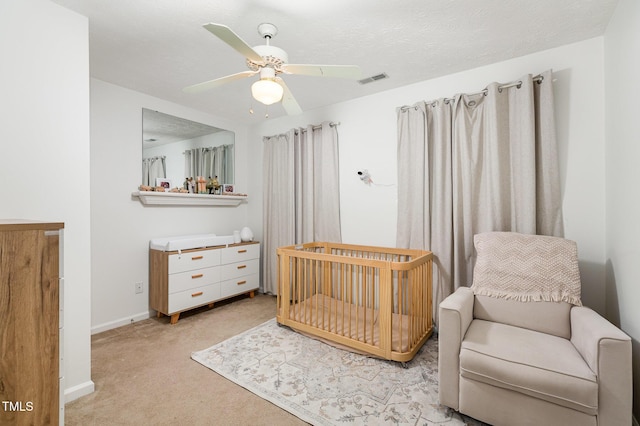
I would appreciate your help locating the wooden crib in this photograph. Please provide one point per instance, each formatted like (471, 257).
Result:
(372, 300)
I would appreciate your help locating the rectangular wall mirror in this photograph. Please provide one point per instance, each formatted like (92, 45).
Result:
(174, 149)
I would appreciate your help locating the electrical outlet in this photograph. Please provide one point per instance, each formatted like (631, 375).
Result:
(138, 287)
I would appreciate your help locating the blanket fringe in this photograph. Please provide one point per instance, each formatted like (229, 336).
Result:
(529, 297)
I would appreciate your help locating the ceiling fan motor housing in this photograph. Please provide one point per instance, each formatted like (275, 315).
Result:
(273, 57)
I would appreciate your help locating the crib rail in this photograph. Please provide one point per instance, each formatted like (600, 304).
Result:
(374, 300)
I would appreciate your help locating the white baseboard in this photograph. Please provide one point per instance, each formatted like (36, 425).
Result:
(75, 392)
(120, 322)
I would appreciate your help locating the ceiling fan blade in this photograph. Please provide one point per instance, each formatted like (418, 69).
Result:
(289, 103)
(227, 35)
(211, 84)
(340, 71)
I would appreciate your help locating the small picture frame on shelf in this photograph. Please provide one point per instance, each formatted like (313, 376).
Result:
(165, 183)
(227, 189)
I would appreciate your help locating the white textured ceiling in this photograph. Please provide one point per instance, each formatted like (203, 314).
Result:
(158, 47)
(160, 129)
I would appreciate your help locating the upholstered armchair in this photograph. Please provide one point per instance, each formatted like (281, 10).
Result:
(517, 348)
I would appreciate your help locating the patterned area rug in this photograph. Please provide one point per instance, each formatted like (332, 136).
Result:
(324, 385)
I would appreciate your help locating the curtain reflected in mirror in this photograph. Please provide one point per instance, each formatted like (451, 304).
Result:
(175, 149)
(153, 168)
(211, 162)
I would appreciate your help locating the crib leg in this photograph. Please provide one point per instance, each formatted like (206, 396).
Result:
(283, 326)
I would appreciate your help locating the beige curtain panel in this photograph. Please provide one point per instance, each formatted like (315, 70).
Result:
(477, 163)
(301, 192)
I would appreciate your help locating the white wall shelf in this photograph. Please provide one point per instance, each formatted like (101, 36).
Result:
(152, 198)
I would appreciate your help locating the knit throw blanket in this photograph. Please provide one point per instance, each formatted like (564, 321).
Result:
(527, 268)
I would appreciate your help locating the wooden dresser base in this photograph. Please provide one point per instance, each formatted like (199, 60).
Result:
(175, 317)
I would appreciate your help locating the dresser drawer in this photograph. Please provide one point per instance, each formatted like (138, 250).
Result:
(191, 298)
(193, 260)
(192, 279)
(240, 269)
(239, 285)
(240, 253)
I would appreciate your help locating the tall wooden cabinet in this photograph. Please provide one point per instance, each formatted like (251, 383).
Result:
(30, 323)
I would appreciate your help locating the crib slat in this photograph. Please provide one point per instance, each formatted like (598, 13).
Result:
(326, 283)
(343, 294)
(358, 303)
(350, 286)
(386, 301)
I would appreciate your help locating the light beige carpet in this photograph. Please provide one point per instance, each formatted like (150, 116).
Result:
(144, 375)
(328, 386)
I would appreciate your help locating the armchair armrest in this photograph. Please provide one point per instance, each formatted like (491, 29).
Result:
(455, 313)
(607, 351)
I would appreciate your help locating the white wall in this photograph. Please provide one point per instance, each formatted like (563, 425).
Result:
(121, 226)
(44, 150)
(368, 141)
(622, 67)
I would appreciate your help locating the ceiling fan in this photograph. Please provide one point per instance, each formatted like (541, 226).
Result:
(269, 62)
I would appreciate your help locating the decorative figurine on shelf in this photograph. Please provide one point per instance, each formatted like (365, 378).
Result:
(246, 234)
(192, 185)
(213, 185)
(202, 185)
(185, 185)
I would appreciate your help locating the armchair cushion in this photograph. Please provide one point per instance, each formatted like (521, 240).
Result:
(540, 365)
(545, 317)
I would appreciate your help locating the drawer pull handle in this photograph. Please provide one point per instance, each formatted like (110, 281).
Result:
(197, 257)
(196, 294)
(241, 282)
(242, 251)
(197, 276)
(242, 266)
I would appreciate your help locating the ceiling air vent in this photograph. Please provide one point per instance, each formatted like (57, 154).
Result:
(373, 78)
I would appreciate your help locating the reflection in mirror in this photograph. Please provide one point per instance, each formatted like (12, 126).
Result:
(175, 149)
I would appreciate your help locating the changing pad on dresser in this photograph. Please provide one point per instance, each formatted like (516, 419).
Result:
(187, 242)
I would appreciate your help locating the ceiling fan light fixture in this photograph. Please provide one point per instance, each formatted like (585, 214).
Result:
(267, 91)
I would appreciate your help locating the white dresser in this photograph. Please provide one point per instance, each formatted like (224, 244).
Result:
(187, 279)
